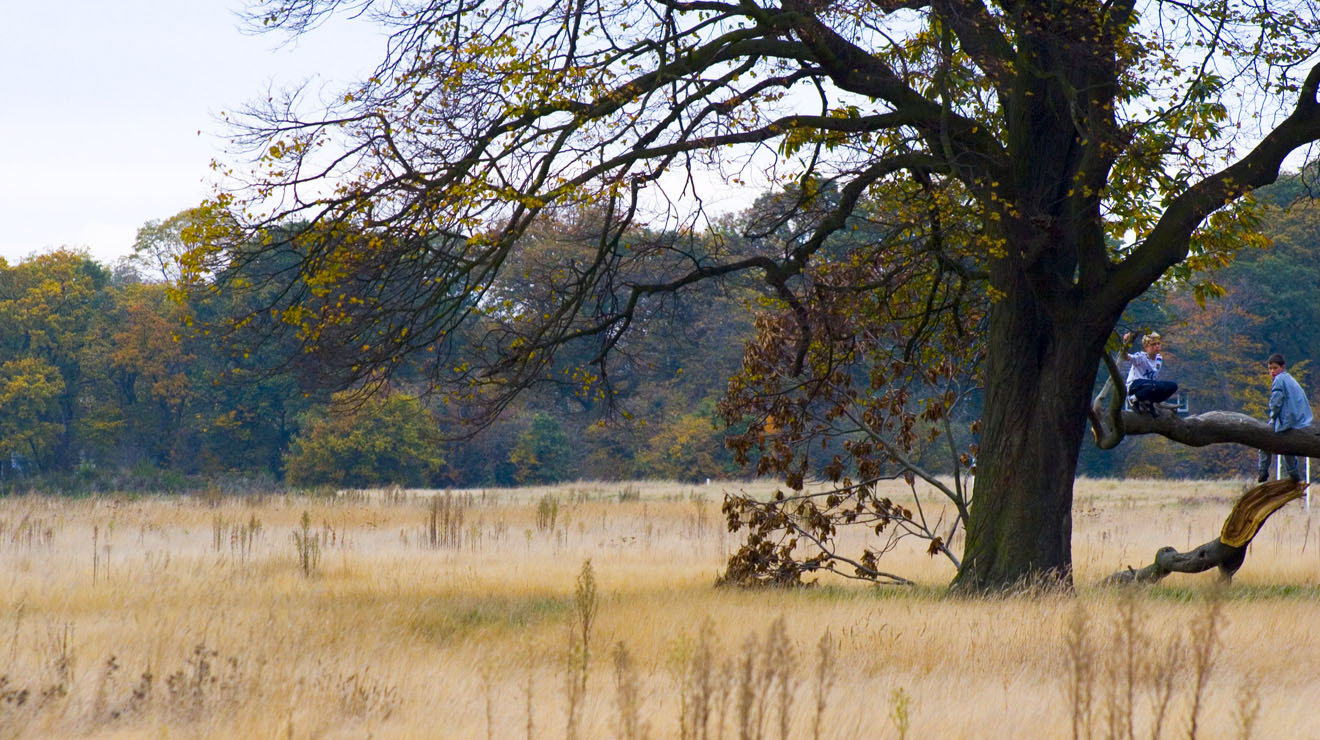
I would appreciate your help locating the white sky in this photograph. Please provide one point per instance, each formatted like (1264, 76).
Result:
(109, 110)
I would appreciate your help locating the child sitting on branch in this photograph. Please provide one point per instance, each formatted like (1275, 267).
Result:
(1142, 383)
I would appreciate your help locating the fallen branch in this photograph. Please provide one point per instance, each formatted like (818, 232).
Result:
(1229, 549)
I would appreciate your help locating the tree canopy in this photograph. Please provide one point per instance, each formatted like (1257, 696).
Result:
(387, 440)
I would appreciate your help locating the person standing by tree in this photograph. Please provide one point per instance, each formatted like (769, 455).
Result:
(1146, 365)
(1289, 409)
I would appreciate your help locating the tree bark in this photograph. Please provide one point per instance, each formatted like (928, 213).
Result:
(1019, 531)
(1227, 551)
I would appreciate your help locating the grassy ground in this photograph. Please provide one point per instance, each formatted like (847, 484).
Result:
(398, 615)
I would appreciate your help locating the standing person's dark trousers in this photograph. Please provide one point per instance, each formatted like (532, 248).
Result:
(1290, 468)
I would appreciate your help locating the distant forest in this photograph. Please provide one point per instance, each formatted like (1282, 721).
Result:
(116, 378)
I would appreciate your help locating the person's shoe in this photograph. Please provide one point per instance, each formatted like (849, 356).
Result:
(1262, 477)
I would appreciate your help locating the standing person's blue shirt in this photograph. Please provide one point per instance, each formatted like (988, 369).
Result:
(1289, 409)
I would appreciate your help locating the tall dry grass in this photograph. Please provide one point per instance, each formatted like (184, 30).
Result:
(392, 614)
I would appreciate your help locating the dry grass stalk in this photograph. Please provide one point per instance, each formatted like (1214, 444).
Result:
(1248, 705)
(444, 525)
(1204, 649)
(308, 545)
(699, 693)
(529, 676)
(488, 691)
(900, 712)
(627, 696)
(1080, 684)
(1126, 647)
(1162, 676)
(824, 681)
(781, 662)
(585, 605)
(547, 511)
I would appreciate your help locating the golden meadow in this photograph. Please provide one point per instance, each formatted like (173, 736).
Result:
(475, 614)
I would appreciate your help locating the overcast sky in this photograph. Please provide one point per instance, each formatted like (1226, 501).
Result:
(108, 110)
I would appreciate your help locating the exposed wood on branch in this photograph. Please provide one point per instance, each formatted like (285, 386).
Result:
(1255, 507)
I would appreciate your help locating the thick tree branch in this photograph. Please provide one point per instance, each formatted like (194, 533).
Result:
(1169, 241)
(977, 154)
(980, 37)
(1224, 427)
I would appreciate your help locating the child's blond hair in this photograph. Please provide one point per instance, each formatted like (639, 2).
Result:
(1150, 339)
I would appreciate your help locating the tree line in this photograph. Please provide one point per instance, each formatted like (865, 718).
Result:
(115, 378)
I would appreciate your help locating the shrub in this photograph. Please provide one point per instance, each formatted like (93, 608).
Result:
(383, 440)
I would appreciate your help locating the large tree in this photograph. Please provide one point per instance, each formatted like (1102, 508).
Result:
(1054, 159)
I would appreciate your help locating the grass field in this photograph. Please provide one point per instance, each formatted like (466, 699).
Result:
(407, 615)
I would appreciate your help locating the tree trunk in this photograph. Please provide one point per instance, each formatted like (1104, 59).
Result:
(1038, 376)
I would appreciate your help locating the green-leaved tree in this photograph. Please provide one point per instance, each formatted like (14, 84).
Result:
(388, 439)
